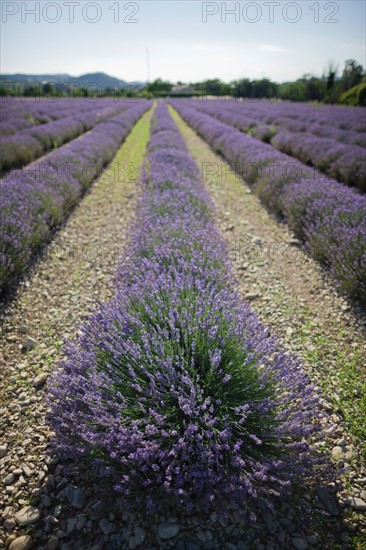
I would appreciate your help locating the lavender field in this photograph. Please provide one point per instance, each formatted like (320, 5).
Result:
(183, 324)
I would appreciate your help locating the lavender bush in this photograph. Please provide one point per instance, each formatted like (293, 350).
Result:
(19, 113)
(333, 224)
(312, 205)
(19, 149)
(175, 385)
(347, 123)
(347, 163)
(339, 153)
(33, 201)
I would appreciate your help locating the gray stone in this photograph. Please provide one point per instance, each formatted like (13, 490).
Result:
(201, 536)
(190, 545)
(106, 526)
(21, 543)
(71, 524)
(299, 544)
(168, 530)
(51, 519)
(8, 541)
(9, 524)
(337, 452)
(312, 539)
(81, 522)
(294, 242)
(356, 503)
(213, 517)
(345, 537)
(53, 543)
(9, 479)
(27, 515)
(222, 520)
(29, 344)
(251, 296)
(75, 496)
(139, 535)
(96, 512)
(270, 522)
(57, 510)
(46, 501)
(8, 512)
(27, 471)
(40, 380)
(3, 449)
(328, 407)
(345, 453)
(328, 501)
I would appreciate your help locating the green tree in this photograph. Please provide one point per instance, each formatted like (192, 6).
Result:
(159, 87)
(352, 74)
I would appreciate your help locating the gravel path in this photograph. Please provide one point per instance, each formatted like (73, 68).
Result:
(46, 506)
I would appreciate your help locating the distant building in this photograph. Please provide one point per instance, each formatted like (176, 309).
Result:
(183, 89)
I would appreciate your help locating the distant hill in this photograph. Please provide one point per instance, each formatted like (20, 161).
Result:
(62, 81)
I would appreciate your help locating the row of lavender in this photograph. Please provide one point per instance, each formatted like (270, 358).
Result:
(175, 386)
(345, 124)
(327, 215)
(29, 144)
(33, 201)
(344, 162)
(20, 113)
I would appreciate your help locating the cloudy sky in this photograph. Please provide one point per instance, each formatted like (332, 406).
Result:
(187, 40)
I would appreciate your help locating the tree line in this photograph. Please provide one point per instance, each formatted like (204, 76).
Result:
(349, 88)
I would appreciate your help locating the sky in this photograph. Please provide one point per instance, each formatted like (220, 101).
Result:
(186, 40)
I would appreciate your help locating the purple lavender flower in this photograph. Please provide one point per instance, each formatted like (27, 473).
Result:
(292, 129)
(174, 383)
(28, 144)
(329, 216)
(33, 201)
